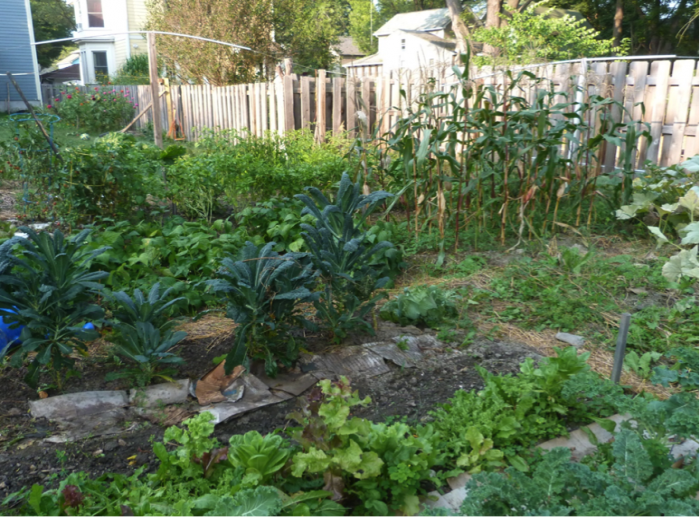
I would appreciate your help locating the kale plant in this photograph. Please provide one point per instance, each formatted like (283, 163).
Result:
(46, 287)
(139, 309)
(263, 290)
(340, 251)
(558, 486)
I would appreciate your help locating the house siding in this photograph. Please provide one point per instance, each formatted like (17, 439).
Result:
(137, 16)
(417, 53)
(17, 55)
(120, 55)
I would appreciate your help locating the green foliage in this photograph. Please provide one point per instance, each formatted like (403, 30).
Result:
(557, 486)
(46, 287)
(683, 371)
(430, 306)
(263, 289)
(238, 168)
(139, 309)
(278, 219)
(339, 252)
(148, 347)
(260, 456)
(309, 30)
(51, 19)
(641, 364)
(534, 37)
(133, 71)
(98, 109)
(385, 466)
(511, 413)
(262, 500)
(175, 253)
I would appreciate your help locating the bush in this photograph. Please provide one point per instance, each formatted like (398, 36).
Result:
(238, 168)
(103, 109)
(430, 306)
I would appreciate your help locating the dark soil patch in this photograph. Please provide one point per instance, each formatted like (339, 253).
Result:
(403, 393)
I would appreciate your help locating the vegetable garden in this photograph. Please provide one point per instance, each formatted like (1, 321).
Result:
(444, 257)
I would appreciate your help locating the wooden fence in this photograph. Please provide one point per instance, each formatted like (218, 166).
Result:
(667, 89)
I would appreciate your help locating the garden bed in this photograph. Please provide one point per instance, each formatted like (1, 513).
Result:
(400, 393)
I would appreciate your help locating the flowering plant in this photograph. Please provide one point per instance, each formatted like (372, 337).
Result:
(102, 109)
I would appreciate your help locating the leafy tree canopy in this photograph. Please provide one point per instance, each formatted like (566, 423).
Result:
(531, 38)
(52, 19)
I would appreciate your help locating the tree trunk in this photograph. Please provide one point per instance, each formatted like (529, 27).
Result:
(493, 9)
(617, 26)
(458, 26)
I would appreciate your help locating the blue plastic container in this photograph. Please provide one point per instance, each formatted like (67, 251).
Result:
(11, 335)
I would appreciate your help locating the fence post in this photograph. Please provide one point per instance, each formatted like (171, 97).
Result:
(321, 106)
(620, 347)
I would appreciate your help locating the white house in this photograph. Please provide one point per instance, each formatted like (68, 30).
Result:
(417, 41)
(100, 35)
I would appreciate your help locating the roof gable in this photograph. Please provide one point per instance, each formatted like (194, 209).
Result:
(419, 21)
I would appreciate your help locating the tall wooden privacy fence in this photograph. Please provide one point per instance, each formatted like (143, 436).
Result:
(662, 93)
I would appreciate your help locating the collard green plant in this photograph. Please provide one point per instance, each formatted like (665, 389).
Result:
(263, 290)
(46, 287)
(339, 251)
(148, 347)
(260, 456)
(640, 364)
(430, 306)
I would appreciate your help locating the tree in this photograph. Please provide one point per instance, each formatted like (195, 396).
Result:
(243, 22)
(52, 19)
(458, 26)
(530, 37)
(307, 30)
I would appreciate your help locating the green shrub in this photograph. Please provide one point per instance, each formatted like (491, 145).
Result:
(103, 108)
(45, 286)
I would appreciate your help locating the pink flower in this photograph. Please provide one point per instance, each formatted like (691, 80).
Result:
(70, 96)
(97, 89)
(136, 105)
(49, 106)
(57, 99)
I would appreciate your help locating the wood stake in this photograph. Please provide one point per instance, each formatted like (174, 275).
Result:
(620, 347)
(36, 119)
(153, 69)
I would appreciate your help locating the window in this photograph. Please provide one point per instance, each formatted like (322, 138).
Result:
(94, 10)
(403, 44)
(99, 60)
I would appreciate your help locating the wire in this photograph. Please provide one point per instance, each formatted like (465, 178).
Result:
(165, 33)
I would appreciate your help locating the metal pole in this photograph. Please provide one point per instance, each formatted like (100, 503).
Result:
(620, 347)
(36, 119)
(153, 69)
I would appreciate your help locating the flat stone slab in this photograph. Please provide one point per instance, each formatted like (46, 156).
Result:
(571, 339)
(347, 361)
(78, 405)
(392, 352)
(160, 394)
(578, 441)
(422, 342)
(293, 384)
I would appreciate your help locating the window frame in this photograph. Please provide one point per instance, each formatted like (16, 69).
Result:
(92, 13)
(97, 74)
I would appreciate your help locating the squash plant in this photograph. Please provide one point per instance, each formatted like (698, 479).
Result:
(46, 287)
